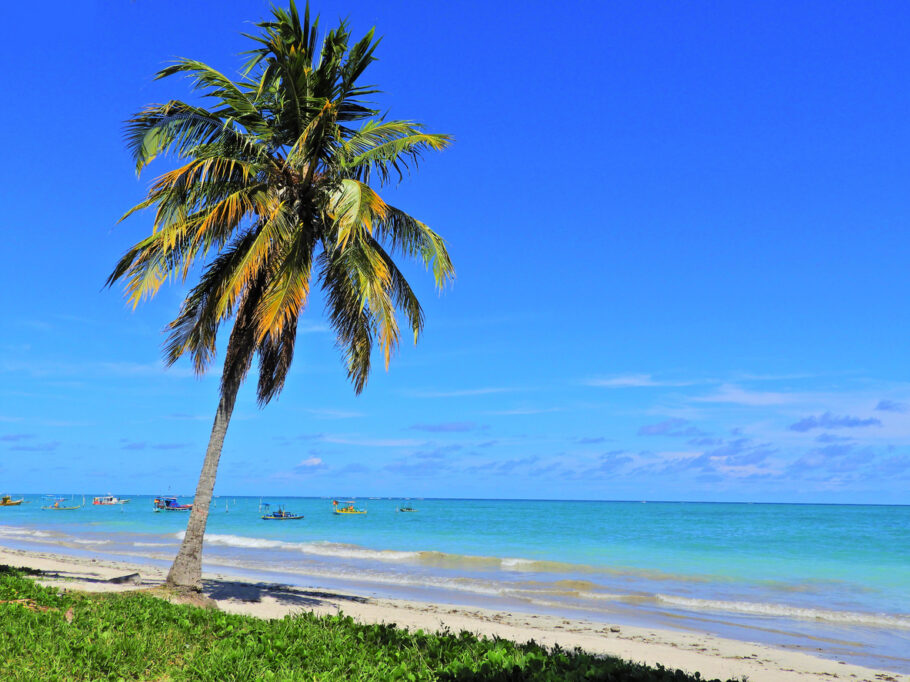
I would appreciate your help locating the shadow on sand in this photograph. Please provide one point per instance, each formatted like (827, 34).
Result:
(284, 594)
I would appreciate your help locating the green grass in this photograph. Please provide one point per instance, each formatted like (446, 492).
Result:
(139, 636)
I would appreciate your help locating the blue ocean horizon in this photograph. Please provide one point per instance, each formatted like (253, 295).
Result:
(830, 579)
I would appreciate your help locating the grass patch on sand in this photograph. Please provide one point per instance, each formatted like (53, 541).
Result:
(48, 635)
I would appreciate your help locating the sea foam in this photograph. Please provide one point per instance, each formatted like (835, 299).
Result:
(24, 533)
(426, 558)
(784, 611)
(326, 549)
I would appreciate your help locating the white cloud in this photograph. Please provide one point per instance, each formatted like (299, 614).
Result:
(728, 393)
(746, 376)
(95, 369)
(371, 442)
(311, 462)
(332, 414)
(525, 410)
(312, 328)
(461, 393)
(634, 381)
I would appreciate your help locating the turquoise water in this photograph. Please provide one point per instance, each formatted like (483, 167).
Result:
(831, 579)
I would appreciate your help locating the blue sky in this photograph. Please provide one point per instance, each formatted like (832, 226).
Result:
(679, 233)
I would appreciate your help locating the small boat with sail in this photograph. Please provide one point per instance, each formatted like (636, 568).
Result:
(346, 508)
(280, 514)
(164, 503)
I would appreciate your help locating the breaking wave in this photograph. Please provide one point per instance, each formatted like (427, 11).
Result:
(424, 558)
(23, 533)
(783, 611)
(327, 549)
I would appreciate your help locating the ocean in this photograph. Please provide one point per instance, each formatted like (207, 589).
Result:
(831, 580)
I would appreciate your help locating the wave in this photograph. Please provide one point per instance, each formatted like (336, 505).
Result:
(341, 572)
(432, 559)
(27, 534)
(153, 544)
(784, 611)
(327, 549)
(517, 564)
(446, 560)
(23, 533)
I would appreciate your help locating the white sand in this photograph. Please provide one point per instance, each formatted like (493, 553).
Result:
(711, 656)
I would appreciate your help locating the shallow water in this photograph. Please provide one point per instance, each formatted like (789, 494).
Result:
(829, 579)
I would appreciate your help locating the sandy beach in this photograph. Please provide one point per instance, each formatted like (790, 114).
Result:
(713, 657)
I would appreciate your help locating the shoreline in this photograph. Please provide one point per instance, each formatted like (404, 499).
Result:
(707, 654)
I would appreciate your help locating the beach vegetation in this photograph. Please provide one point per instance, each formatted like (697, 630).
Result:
(275, 193)
(49, 635)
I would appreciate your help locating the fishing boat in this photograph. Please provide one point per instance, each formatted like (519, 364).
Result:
(170, 504)
(7, 501)
(57, 504)
(406, 509)
(346, 508)
(108, 499)
(278, 515)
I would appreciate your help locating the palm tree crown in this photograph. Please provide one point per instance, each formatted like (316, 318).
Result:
(275, 189)
(273, 194)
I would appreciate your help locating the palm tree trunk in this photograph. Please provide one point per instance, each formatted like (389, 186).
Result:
(186, 571)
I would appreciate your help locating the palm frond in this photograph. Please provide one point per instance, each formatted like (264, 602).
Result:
(349, 318)
(414, 239)
(180, 238)
(178, 127)
(404, 297)
(234, 101)
(286, 292)
(276, 352)
(385, 148)
(196, 327)
(309, 146)
(242, 345)
(355, 208)
(273, 233)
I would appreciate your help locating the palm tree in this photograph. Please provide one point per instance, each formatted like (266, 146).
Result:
(272, 197)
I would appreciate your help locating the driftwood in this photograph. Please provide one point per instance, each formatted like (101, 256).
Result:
(128, 578)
